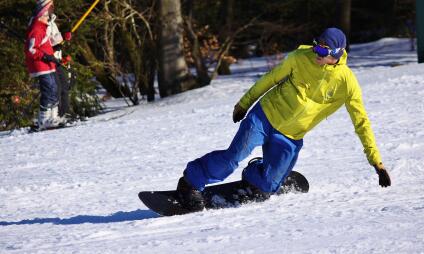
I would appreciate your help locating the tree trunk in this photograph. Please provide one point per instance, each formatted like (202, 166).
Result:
(420, 30)
(150, 66)
(345, 17)
(202, 71)
(134, 56)
(228, 16)
(102, 75)
(173, 74)
(148, 71)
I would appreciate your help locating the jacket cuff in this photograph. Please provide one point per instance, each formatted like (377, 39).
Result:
(243, 103)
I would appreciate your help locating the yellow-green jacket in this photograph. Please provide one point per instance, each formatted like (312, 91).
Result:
(299, 93)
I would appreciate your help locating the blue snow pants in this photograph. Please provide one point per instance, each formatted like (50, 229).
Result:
(279, 156)
(48, 90)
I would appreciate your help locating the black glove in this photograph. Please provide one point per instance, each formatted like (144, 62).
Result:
(239, 113)
(383, 176)
(50, 58)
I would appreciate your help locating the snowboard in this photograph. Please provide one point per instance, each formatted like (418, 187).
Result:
(166, 203)
(34, 128)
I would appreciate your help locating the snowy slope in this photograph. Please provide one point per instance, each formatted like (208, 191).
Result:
(75, 190)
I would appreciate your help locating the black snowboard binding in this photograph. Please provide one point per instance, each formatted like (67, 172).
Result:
(189, 197)
(247, 192)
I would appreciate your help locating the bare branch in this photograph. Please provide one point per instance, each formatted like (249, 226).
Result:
(227, 45)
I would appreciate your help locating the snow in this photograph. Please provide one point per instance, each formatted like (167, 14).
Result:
(74, 190)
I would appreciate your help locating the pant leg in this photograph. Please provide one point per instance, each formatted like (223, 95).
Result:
(63, 90)
(279, 157)
(48, 90)
(218, 165)
(59, 86)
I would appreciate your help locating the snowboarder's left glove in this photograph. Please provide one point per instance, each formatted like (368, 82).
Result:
(383, 176)
(238, 113)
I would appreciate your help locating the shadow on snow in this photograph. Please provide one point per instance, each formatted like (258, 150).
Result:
(81, 219)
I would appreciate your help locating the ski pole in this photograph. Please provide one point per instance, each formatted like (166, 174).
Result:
(84, 16)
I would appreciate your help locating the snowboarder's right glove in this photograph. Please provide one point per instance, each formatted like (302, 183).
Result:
(239, 113)
(383, 176)
(50, 58)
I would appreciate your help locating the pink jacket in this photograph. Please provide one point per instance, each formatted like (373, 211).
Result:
(37, 44)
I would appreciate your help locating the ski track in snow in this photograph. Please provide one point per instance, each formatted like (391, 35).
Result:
(74, 190)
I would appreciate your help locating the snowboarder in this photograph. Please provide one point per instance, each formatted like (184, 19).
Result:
(310, 84)
(41, 64)
(56, 39)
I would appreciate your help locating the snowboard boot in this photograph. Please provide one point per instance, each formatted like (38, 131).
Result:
(189, 197)
(249, 192)
(56, 120)
(44, 119)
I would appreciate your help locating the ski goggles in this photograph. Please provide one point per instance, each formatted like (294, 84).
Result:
(323, 51)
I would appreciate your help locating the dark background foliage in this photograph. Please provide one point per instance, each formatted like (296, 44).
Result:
(121, 37)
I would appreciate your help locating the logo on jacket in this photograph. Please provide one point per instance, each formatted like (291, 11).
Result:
(328, 95)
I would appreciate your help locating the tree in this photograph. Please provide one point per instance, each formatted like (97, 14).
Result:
(173, 73)
(344, 16)
(196, 51)
(420, 31)
(124, 61)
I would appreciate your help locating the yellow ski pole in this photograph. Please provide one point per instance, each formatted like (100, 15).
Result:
(84, 16)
